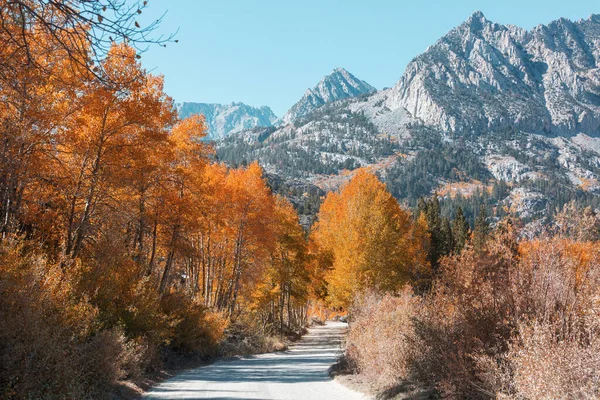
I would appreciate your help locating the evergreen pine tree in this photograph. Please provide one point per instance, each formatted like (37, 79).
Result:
(434, 224)
(421, 207)
(446, 238)
(482, 229)
(460, 230)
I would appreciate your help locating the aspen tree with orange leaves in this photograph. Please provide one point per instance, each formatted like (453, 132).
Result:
(36, 97)
(123, 241)
(282, 296)
(372, 240)
(93, 151)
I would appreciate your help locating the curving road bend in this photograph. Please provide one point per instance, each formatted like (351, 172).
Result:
(299, 373)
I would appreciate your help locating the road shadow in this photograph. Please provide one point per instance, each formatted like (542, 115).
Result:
(308, 361)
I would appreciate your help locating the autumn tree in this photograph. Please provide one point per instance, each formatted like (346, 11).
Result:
(282, 295)
(94, 150)
(35, 101)
(52, 52)
(233, 238)
(371, 239)
(251, 207)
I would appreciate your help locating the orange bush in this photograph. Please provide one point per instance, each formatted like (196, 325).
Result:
(193, 328)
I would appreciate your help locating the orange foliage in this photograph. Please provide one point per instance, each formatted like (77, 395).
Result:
(151, 242)
(372, 241)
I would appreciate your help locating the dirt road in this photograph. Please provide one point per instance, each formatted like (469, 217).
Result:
(299, 373)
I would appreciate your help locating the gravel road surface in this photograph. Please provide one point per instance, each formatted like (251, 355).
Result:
(300, 373)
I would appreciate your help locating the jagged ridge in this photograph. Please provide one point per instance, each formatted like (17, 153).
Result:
(338, 85)
(484, 76)
(225, 119)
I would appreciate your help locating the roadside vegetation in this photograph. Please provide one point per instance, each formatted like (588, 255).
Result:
(123, 246)
(506, 317)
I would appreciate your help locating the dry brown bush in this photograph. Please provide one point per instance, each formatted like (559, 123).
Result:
(547, 368)
(51, 345)
(380, 341)
(514, 320)
(539, 365)
(482, 301)
(62, 336)
(245, 338)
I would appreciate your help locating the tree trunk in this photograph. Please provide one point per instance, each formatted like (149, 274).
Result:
(169, 263)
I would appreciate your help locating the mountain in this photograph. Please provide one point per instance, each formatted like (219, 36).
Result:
(338, 85)
(489, 115)
(224, 119)
(317, 153)
(484, 76)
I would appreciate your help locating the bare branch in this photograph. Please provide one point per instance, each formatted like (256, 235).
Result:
(84, 29)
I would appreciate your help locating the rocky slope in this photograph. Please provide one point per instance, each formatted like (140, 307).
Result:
(224, 119)
(490, 114)
(343, 135)
(338, 85)
(484, 76)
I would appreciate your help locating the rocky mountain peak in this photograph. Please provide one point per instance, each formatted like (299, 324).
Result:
(477, 21)
(225, 119)
(594, 18)
(484, 76)
(339, 84)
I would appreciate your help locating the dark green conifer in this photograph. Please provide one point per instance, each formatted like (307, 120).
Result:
(482, 229)
(460, 230)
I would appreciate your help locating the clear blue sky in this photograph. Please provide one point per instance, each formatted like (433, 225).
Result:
(269, 52)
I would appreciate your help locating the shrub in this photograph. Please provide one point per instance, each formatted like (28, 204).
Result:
(193, 328)
(50, 343)
(482, 302)
(539, 365)
(545, 367)
(245, 337)
(124, 298)
(512, 320)
(61, 336)
(381, 337)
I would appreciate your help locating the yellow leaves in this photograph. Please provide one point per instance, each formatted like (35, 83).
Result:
(370, 237)
(186, 137)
